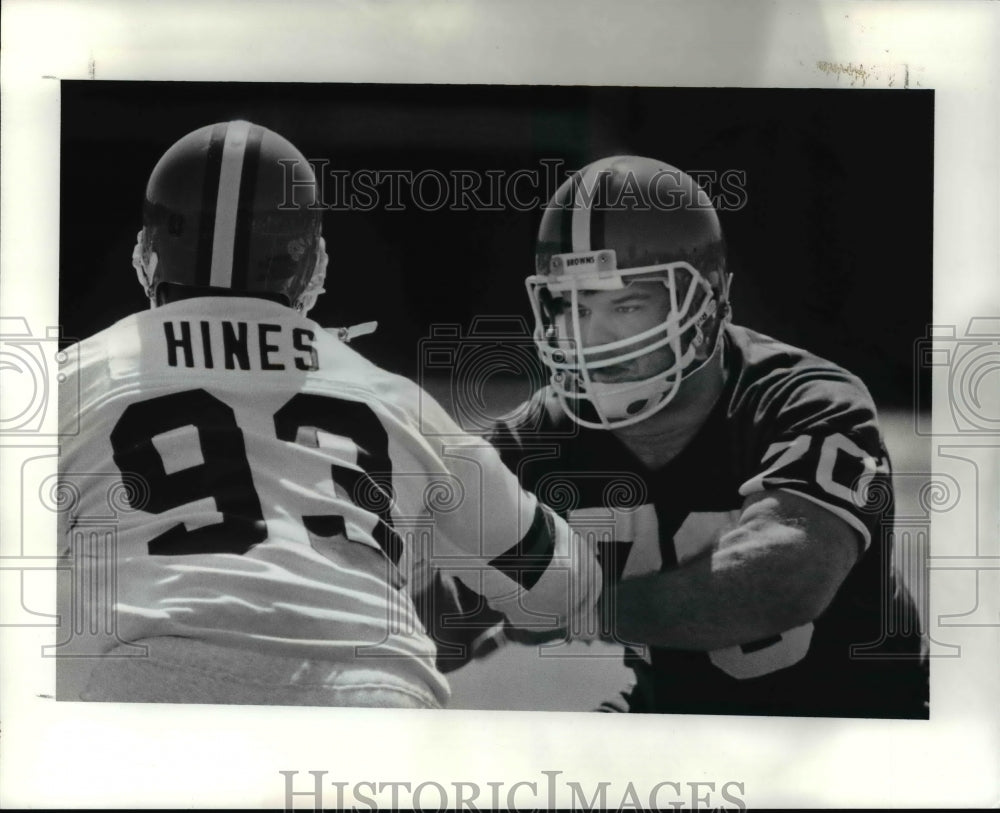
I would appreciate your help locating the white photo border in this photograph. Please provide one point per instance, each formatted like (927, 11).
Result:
(80, 755)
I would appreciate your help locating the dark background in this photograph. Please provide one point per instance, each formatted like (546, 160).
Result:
(832, 250)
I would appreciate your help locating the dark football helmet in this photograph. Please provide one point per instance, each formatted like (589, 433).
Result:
(232, 208)
(616, 222)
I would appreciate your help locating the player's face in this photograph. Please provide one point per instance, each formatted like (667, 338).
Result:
(610, 316)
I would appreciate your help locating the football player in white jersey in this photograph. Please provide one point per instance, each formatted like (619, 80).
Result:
(249, 493)
(750, 532)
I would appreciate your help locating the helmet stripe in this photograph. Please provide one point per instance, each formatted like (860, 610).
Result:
(582, 199)
(588, 220)
(564, 219)
(209, 196)
(227, 203)
(597, 216)
(244, 217)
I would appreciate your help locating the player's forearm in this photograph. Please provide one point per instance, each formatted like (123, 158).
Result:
(743, 593)
(556, 572)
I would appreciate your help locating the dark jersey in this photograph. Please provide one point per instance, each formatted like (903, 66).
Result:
(786, 420)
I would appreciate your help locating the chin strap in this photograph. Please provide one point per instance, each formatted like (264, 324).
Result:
(619, 401)
(612, 402)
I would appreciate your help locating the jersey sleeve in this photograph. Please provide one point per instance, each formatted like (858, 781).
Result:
(817, 435)
(471, 519)
(457, 616)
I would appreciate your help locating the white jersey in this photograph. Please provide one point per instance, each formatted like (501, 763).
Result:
(259, 484)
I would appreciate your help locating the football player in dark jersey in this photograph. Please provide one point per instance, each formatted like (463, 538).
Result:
(738, 487)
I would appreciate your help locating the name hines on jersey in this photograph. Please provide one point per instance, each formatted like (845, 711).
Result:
(233, 345)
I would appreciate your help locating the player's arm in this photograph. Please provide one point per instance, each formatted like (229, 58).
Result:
(516, 553)
(506, 553)
(777, 569)
(457, 616)
(814, 502)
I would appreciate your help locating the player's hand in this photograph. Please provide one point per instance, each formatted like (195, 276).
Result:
(596, 623)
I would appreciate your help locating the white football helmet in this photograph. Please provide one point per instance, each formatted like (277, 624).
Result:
(616, 222)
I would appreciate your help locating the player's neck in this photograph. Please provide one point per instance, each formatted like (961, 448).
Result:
(659, 439)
